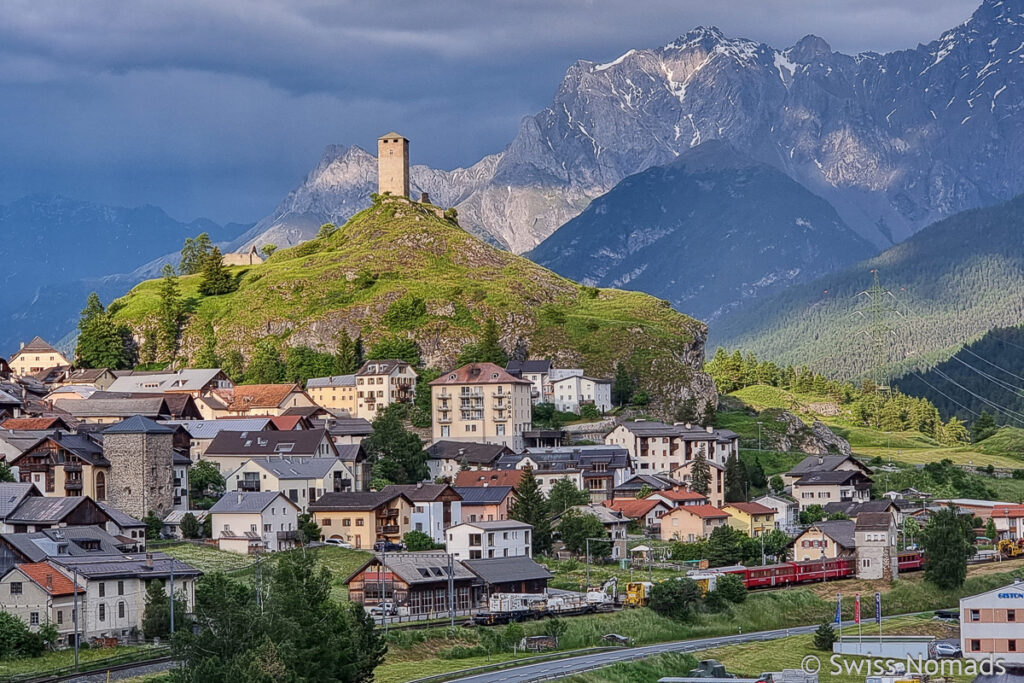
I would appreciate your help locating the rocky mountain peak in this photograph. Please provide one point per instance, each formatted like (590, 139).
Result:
(809, 50)
(702, 36)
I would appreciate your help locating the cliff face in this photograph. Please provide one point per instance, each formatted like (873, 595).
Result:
(397, 269)
(893, 141)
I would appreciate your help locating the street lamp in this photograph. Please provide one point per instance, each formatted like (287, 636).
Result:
(759, 423)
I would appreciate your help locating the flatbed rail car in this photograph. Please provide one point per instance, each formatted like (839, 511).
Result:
(509, 607)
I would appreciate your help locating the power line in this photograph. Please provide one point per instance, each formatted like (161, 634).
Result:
(995, 380)
(942, 393)
(990, 363)
(1012, 414)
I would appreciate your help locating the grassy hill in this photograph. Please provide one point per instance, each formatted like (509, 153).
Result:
(951, 282)
(396, 269)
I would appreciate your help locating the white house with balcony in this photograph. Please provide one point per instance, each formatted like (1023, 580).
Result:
(489, 540)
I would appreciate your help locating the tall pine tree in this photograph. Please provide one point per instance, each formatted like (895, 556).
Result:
(532, 508)
(700, 475)
(168, 321)
(216, 278)
(946, 548)
(101, 342)
(735, 480)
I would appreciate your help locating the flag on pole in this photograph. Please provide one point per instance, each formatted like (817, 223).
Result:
(878, 608)
(856, 609)
(839, 608)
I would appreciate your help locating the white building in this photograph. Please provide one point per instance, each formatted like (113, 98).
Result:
(487, 540)
(302, 480)
(787, 511)
(379, 383)
(992, 624)
(536, 371)
(435, 508)
(571, 393)
(253, 522)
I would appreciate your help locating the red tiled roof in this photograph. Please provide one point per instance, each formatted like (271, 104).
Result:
(247, 396)
(1009, 511)
(633, 507)
(30, 423)
(286, 423)
(489, 478)
(680, 495)
(752, 508)
(49, 579)
(704, 511)
(478, 373)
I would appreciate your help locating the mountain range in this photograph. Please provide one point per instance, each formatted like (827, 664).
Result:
(708, 232)
(893, 141)
(60, 249)
(946, 286)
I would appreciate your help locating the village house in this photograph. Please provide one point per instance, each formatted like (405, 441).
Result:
(362, 518)
(202, 432)
(112, 410)
(448, 458)
(335, 393)
(253, 522)
(716, 487)
(126, 529)
(172, 522)
(511, 478)
(38, 513)
(96, 378)
(536, 372)
(1009, 521)
(345, 431)
(689, 523)
(824, 463)
(178, 406)
(787, 511)
(39, 593)
(34, 424)
(58, 542)
(488, 540)
(195, 383)
(254, 400)
(640, 482)
(647, 511)
(416, 582)
(435, 507)
(302, 480)
(825, 540)
(753, 519)
(63, 464)
(679, 495)
(519, 574)
(35, 357)
(243, 258)
(230, 450)
(485, 503)
(480, 402)
(853, 508)
(571, 392)
(379, 383)
(115, 590)
(615, 523)
(655, 447)
(596, 469)
(973, 506)
(822, 488)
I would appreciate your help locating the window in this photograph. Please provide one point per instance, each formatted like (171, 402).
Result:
(60, 616)
(975, 645)
(103, 590)
(120, 610)
(360, 522)
(33, 619)
(327, 522)
(1011, 646)
(103, 612)
(267, 528)
(16, 588)
(975, 615)
(1011, 615)
(120, 587)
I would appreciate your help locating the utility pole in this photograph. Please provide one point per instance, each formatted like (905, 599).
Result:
(451, 591)
(759, 436)
(74, 614)
(878, 305)
(172, 597)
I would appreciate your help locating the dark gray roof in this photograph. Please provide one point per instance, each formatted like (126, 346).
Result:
(874, 521)
(679, 431)
(207, 429)
(518, 367)
(45, 509)
(37, 546)
(570, 457)
(180, 459)
(137, 424)
(822, 463)
(657, 482)
(420, 568)
(350, 452)
(835, 477)
(497, 525)
(332, 381)
(504, 569)
(86, 446)
(356, 500)
(296, 468)
(128, 566)
(121, 519)
(13, 493)
(420, 493)
(246, 501)
(839, 530)
(852, 509)
(254, 444)
(482, 495)
(336, 426)
(473, 453)
(117, 407)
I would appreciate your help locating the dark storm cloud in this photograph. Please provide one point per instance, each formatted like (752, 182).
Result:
(218, 108)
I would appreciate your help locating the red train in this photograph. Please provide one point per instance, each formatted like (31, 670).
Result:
(791, 573)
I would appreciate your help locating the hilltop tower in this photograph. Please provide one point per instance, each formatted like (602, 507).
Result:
(393, 165)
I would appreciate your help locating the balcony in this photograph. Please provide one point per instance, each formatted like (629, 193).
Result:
(287, 535)
(500, 417)
(248, 485)
(72, 468)
(389, 529)
(444, 419)
(73, 485)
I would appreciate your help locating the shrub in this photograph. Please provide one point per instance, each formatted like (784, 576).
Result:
(825, 636)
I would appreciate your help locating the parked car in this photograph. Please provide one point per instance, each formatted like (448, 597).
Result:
(384, 609)
(387, 547)
(340, 543)
(946, 649)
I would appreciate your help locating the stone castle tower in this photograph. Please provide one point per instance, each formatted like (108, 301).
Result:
(141, 455)
(393, 165)
(875, 543)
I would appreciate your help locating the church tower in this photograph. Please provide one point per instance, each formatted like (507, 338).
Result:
(393, 165)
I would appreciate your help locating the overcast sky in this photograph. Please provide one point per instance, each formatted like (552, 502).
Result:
(219, 108)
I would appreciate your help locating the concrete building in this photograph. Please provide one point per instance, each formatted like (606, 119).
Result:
(34, 357)
(875, 543)
(824, 463)
(448, 458)
(571, 393)
(141, 456)
(39, 593)
(597, 469)
(827, 540)
(656, 447)
(481, 402)
(302, 480)
(992, 624)
(379, 383)
(488, 540)
(393, 165)
(536, 371)
(253, 522)
(822, 488)
(337, 392)
(787, 512)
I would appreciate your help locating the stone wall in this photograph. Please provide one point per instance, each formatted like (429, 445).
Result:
(141, 473)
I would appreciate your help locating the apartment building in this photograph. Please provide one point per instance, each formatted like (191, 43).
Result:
(488, 540)
(658, 447)
(379, 383)
(483, 403)
(992, 624)
(335, 393)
